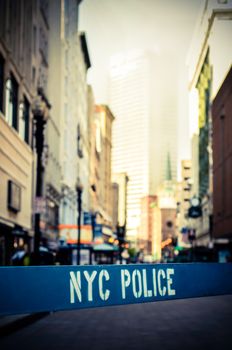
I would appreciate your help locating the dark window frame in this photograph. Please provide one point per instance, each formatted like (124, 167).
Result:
(14, 196)
(27, 119)
(13, 88)
(24, 119)
(2, 66)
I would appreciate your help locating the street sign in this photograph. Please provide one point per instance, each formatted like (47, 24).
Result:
(87, 218)
(43, 288)
(39, 205)
(195, 212)
(97, 231)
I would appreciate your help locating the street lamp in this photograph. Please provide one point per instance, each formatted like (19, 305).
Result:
(40, 111)
(79, 190)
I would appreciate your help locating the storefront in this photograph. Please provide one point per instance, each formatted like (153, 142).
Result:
(16, 159)
(105, 253)
(12, 239)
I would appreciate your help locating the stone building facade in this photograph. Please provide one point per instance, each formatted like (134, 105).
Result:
(23, 77)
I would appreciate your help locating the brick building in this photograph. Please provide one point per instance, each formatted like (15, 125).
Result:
(222, 160)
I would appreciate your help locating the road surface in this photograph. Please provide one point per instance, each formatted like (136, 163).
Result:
(199, 323)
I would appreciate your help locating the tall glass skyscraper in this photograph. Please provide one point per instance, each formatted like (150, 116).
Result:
(140, 144)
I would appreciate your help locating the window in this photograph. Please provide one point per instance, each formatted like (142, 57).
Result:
(66, 16)
(44, 7)
(79, 142)
(33, 74)
(66, 58)
(34, 39)
(66, 112)
(66, 84)
(14, 196)
(1, 82)
(27, 119)
(24, 111)
(98, 137)
(12, 102)
(21, 120)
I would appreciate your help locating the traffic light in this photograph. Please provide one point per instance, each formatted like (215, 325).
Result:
(192, 235)
(120, 231)
(174, 241)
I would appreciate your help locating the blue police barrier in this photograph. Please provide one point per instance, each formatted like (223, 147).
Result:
(42, 288)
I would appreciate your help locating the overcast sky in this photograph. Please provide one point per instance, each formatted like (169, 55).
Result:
(165, 27)
(112, 26)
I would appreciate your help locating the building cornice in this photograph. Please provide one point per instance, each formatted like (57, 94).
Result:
(85, 51)
(225, 14)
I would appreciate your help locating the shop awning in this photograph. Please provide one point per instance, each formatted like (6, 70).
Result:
(105, 248)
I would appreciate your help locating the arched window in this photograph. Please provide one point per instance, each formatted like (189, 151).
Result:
(11, 112)
(21, 120)
(8, 112)
(24, 110)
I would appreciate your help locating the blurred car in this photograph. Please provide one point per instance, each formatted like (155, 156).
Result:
(46, 257)
(22, 258)
(64, 255)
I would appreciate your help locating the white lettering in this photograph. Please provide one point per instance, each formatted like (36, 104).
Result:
(146, 292)
(169, 282)
(75, 284)
(125, 281)
(154, 282)
(104, 295)
(162, 291)
(137, 293)
(89, 279)
(136, 282)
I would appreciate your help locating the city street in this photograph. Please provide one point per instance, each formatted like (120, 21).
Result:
(200, 323)
(115, 175)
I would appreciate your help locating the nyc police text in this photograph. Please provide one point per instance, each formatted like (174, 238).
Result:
(141, 283)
